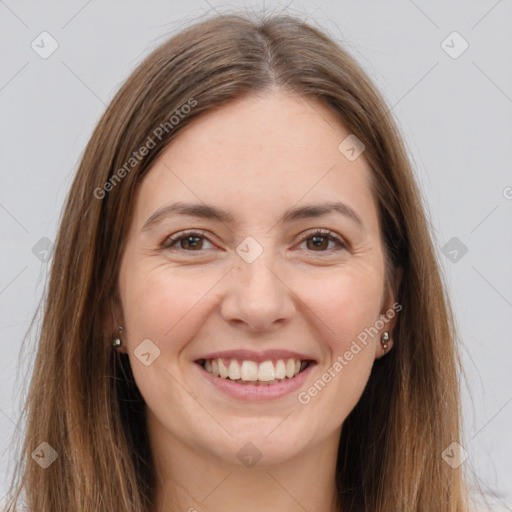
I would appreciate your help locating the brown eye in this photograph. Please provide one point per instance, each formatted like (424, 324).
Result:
(189, 241)
(318, 241)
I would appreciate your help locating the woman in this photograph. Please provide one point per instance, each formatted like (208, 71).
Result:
(245, 311)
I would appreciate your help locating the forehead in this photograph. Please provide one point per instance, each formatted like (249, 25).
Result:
(259, 155)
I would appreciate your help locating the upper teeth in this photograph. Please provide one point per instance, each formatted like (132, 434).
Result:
(252, 371)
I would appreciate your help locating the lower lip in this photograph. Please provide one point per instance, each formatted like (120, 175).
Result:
(252, 392)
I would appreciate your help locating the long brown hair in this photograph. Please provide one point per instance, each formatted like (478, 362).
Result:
(83, 400)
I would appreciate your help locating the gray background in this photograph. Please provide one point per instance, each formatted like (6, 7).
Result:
(454, 113)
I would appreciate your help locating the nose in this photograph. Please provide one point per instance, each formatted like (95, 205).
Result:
(258, 297)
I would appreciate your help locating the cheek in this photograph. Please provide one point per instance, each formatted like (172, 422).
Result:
(166, 306)
(163, 304)
(348, 357)
(346, 301)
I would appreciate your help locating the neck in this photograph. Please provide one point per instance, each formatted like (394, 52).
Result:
(190, 480)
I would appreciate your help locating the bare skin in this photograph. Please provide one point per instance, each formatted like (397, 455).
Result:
(256, 158)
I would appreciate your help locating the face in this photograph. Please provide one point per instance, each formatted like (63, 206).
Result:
(259, 293)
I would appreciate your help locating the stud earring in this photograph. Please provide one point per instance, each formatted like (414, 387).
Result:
(384, 340)
(117, 340)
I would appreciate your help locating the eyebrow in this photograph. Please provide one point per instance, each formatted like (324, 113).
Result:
(205, 211)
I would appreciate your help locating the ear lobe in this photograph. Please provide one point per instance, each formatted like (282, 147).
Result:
(112, 319)
(393, 286)
(391, 303)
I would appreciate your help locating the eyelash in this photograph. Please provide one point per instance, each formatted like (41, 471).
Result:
(170, 241)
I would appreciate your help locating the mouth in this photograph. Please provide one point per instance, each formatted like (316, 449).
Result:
(248, 372)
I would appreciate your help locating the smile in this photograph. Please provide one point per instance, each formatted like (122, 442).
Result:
(248, 372)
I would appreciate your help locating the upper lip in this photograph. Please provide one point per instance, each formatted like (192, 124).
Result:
(250, 355)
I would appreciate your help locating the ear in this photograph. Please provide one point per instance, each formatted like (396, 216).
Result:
(389, 312)
(112, 319)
